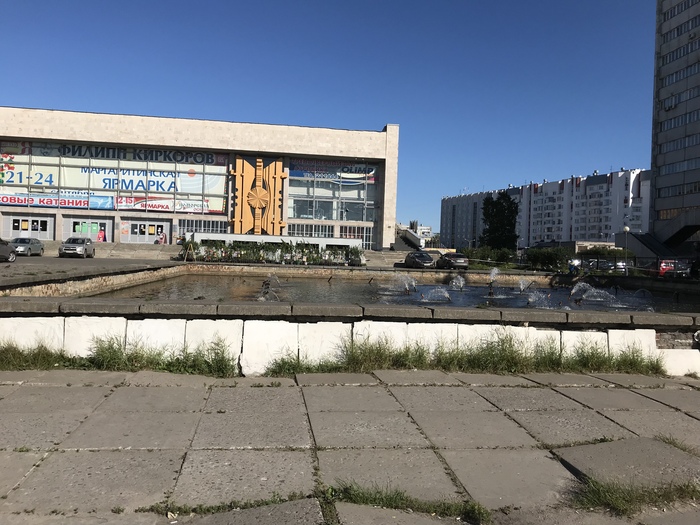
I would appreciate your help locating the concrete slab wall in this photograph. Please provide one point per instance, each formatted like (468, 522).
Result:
(256, 342)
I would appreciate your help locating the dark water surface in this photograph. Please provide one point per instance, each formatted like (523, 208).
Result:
(403, 289)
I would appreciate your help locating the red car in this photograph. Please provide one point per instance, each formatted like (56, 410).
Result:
(672, 268)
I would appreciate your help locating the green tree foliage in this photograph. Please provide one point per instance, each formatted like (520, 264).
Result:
(549, 258)
(500, 215)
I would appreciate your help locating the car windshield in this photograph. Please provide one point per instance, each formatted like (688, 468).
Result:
(454, 255)
(422, 255)
(75, 240)
(20, 241)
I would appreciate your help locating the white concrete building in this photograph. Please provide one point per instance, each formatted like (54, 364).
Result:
(135, 179)
(592, 208)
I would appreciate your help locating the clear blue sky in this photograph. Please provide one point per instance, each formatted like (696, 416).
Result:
(486, 93)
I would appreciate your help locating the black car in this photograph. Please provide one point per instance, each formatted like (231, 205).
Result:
(418, 259)
(7, 251)
(452, 260)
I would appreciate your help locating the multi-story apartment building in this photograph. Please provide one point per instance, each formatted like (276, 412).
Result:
(675, 161)
(591, 209)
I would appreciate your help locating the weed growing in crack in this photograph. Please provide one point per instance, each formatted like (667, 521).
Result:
(397, 499)
(678, 443)
(627, 499)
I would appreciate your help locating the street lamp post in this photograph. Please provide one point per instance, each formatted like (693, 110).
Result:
(626, 229)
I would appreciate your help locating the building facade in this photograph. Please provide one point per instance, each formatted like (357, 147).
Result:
(675, 160)
(133, 179)
(591, 209)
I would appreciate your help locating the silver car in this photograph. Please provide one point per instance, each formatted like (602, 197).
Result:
(28, 246)
(77, 247)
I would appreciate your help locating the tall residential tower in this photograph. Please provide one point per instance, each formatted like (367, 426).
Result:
(675, 159)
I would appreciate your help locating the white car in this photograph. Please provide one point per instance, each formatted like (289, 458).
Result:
(77, 247)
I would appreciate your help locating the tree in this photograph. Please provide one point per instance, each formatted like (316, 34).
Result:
(500, 216)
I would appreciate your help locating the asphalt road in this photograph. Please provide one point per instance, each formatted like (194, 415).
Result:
(50, 267)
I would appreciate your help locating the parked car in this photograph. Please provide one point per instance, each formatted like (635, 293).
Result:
(7, 251)
(452, 260)
(28, 246)
(418, 259)
(672, 268)
(77, 247)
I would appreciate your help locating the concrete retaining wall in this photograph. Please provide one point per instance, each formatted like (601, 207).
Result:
(256, 342)
(60, 316)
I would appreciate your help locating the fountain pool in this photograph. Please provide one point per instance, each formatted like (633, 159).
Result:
(401, 289)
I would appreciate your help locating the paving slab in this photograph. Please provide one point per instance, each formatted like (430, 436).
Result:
(149, 399)
(520, 478)
(555, 516)
(639, 381)
(52, 399)
(154, 379)
(365, 429)
(96, 481)
(639, 461)
(682, 516)
(349, 398)
(213, 477)
(243, 382)
(418, 473)
(351, 514)
(569, 427)
(666, 423)
(336, 379)
(237, 400)
(458, 398)
(109, 518)
(686, 400)
(459, 430)
(252, 430)
(689, 381)
(135, 430)
(78, 378)
(518, 399)
(14, 466)
(17, 377)
(7, 389)
(415, 377)
(41, 431)
(567, 380)
(492, 380)
(611, 399)
(298, 512)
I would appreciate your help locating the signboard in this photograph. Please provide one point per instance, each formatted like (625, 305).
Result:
(97, 177)
(339, 172)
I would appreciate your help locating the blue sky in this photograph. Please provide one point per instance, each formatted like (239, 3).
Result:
(486, 93)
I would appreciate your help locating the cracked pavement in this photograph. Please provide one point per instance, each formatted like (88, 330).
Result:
(97, 446)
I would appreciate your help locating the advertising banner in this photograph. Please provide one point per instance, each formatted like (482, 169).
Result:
(82, 176)
(339, 172)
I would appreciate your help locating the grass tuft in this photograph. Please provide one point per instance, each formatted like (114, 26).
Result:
(678, 443)
(397, 499)
(626, 499)
(112, 354)
(503, 354)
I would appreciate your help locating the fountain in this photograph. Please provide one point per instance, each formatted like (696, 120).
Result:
(398, 289)
(458, 283)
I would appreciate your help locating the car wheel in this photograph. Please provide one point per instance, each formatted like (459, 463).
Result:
(41, 253)
(92, 256)
(11, 257)
(29, 252)
(84, 254)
